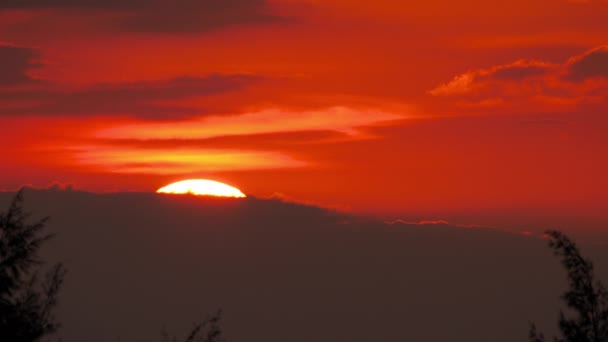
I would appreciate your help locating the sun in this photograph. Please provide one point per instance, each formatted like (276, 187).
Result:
(203, 187)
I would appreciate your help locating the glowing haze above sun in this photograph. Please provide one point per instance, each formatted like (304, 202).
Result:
(201, 187)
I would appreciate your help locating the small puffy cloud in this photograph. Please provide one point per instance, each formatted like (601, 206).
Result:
(59, 186)
(461, 84)
(15, 63)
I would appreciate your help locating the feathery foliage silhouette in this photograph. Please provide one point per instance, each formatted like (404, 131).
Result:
(26, 302)
(205, 331)
(586, 297)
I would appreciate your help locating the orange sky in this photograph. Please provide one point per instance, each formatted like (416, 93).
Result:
(384, 107)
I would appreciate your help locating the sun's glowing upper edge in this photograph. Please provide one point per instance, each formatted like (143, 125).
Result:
(203, 187)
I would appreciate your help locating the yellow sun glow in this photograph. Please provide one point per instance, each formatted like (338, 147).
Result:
(201, 187)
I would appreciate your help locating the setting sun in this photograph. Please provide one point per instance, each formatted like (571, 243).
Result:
(346, 165)
(202, 187)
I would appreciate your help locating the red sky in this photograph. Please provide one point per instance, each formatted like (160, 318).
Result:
(384, 107)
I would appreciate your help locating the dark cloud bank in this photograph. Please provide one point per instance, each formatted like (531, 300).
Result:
(134, 99)
(163, 16)
(141, 99)
(288, 272)
(592, 64)
(15, 62)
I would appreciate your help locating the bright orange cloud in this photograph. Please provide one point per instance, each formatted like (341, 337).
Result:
(338, 119)
(164, 160)
(179, 161)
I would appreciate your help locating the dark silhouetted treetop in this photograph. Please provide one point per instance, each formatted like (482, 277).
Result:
(26, 302)
(586, 297)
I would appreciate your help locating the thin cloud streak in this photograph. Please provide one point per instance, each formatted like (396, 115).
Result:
(145, 147)
(179, 161)
(339, 119)
(143, 99)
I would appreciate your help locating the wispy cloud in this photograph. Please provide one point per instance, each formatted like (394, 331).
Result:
(533, 85)
(460, 84)
(179, 161)
(339, 119)
(201, 145)
(469, 81)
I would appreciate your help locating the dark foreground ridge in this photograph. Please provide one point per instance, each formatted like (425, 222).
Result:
(288, 272)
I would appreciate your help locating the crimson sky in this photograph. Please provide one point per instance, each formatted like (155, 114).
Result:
(384, 107)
